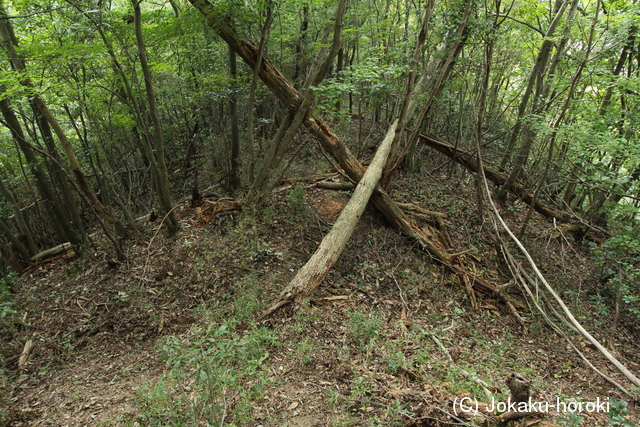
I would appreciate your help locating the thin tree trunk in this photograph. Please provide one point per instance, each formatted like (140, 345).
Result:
(19, 65)
(304, 25)
(17, 244)
(57, 173)
(443, 72)
(529, 135)
(20, 220)
(560, 119)
(234, 177)
(264, 181)
(252, 90)
(52, 203)
(164, 188)
(535, 77)
(404, 110)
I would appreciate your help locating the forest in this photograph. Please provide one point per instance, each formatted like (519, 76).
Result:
(319, 212)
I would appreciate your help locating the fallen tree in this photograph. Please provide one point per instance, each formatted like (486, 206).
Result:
(426, 238)
(315, 270)
(469, 161)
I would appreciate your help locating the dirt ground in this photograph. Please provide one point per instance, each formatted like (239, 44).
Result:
(96, 322)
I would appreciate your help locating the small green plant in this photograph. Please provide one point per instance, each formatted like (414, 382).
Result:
(571, 420)
(618, 412)
(600, 304)
(362, 328)
(360, 394)
(305, 351)
(298, 200)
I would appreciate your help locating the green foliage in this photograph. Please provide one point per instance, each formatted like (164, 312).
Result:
(298, 200)
(620, 256)
(618, 412)
(363, 328)
(214, 378)
(571, 420)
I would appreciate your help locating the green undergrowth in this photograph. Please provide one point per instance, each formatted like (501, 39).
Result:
(216, 374)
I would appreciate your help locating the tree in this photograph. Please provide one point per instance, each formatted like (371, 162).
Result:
(18, 64)
(156, 154)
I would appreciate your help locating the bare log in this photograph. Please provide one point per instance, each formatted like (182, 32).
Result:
(315, 270)
(51, 252)
(338, 186)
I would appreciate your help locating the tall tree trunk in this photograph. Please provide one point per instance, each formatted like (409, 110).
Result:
(252, 91)
(264, 181)
(404, 110)
(560, 119)
(299, 67)
(443, 71)
(535, 78)
(164, 188)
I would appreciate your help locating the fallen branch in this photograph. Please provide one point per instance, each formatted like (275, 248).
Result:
(623, 369)
(523, 278)
(416, 208)
(338, 186)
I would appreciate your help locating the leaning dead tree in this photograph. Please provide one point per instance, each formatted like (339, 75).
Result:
(426, 239)
(315, 270)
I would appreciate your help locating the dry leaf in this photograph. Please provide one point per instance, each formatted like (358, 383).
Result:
(293, 406)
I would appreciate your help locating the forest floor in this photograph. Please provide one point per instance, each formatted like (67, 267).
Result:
(170, 336)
